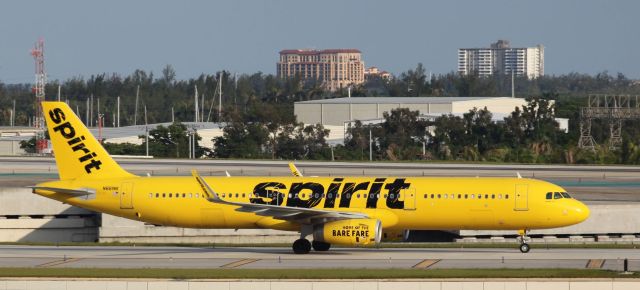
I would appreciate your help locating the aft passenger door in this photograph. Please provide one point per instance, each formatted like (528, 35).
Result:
(126, 195)
(522, 197)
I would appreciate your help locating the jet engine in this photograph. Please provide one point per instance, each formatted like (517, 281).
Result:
(350, 232)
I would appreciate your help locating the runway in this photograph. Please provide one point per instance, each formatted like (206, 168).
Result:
(282, 258)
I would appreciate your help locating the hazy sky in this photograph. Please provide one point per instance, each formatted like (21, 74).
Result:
(88, 37)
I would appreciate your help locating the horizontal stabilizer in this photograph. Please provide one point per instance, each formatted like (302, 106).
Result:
(74, 192)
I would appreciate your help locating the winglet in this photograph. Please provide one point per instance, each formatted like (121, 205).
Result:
(205, 187)
(294, 170)
(519, 176)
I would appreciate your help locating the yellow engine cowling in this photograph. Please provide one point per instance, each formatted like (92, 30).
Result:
(351, 232)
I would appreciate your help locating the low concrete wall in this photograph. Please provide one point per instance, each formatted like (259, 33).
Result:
(470, 284)
(26, 217)
(116, 229)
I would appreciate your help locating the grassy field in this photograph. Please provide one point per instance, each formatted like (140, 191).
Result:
(337, 273)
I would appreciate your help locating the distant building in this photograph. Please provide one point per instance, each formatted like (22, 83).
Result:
(374, 72)
(501, 58)
(335, 68)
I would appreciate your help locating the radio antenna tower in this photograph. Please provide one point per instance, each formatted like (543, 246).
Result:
(38, 89)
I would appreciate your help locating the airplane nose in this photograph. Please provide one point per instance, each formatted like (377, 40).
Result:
(581, 212)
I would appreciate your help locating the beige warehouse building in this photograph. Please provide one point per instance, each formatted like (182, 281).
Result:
(340, 110)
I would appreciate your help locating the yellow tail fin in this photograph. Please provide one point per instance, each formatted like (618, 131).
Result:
(78, 154)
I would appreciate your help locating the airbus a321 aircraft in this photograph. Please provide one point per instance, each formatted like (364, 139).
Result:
(351, 211)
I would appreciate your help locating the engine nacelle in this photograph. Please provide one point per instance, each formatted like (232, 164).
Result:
(351, 232)
(395, 235)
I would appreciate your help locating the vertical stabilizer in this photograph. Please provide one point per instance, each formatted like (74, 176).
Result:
(78, 154)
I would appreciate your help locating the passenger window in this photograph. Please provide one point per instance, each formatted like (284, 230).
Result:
(479, 196)
(157, 195)
(184, 195)
(358, 195)
(190, 195)
(500, 196)
(243, 195)
(473, 196)
(438, 196)
(506, 196)
(466, 196)
(493, 196)
(445, 196)
(170, 195)
(565, 195)
(164, 195)
(557, 195)
(549, 195)
(197, 195)
(459, 196)
(432, 195)
(425, 196)
(486, 196)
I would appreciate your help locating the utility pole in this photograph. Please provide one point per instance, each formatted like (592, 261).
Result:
(220, 97)
(59, 86)
(196, 104)
(135, 114)
(86, 119)
(13, 114)
(370, 146)
(173, 116)
(146, 130)
(118, 112)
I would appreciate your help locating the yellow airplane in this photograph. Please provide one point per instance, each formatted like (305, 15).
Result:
(352, 211)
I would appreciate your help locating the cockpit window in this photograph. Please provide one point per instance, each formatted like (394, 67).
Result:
(549, 195)
(565, 195)
(557, 195)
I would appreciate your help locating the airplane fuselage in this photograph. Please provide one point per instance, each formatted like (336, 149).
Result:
(398, 202)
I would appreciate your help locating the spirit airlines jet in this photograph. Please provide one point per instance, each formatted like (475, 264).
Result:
(351, 211)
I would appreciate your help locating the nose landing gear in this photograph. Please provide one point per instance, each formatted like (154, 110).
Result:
(523, 239)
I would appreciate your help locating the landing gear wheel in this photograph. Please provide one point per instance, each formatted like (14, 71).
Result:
(301, 246)
(320, 246)
(524, 248)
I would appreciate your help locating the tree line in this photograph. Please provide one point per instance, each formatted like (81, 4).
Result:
(258, 113)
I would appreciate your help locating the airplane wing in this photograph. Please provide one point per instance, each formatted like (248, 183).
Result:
(292, 214)
(74, 192)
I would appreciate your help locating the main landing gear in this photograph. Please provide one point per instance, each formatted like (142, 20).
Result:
(303, 246)
(522, 239)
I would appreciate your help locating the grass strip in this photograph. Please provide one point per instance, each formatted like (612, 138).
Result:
(337, 273)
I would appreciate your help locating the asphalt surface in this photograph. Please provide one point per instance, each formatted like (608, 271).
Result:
(283, 258)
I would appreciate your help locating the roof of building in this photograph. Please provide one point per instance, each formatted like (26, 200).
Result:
(314, 51)
(397, 100)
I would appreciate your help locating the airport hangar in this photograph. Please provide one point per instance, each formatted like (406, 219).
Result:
(340, 110)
